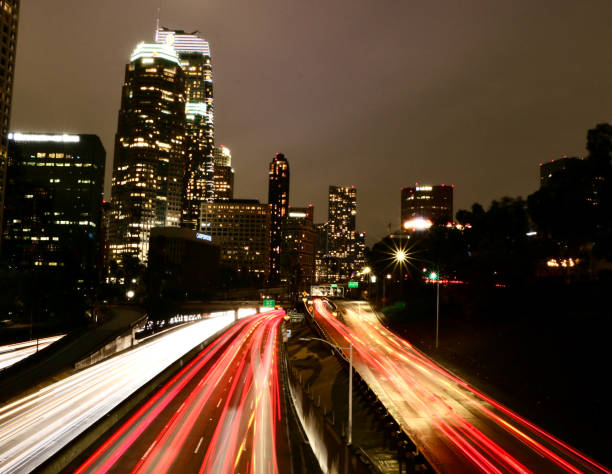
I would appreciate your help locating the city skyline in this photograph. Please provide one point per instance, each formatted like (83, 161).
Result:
(433, 122)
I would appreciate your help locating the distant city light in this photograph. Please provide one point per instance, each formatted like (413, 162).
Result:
(373, 278)
(297, 214)
(418, 223)
(130, 294)
(32, 137)
(424, 188)
(400, 255)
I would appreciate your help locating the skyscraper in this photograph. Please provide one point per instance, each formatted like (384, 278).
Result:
(54, 203)
(341, 229)
(426, 205)
(148, 170)
(194, 56)
(560, 166)
(9, 11)
(278, 199)
(298, 246)
(224, 174)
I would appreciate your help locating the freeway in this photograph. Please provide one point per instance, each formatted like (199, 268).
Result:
(219, 414)
(455, 426)
(13, 353)
(35, 427)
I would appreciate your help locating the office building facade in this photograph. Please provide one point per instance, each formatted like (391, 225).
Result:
(322, 258)
(341, 232)
(149, 164)
(298, 237)
(195, 60)
(224, 174)
(557, 167)
(9, 18)
(187, 257)
(425, 205)
(53, 207)
(278, 199)
(241, 228)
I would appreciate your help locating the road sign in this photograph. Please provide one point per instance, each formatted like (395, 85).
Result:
(269, 303)
(334, 285)
(296, 317)
(353, 284)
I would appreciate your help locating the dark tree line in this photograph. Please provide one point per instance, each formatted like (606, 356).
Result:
(571, 213)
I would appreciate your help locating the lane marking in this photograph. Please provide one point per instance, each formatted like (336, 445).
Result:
(198, 446)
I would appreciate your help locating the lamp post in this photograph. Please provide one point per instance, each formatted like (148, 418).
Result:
(436, 277)
(350, 394)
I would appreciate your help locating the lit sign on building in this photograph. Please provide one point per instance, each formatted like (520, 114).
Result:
(418, 223)
(297, 214)
(29, 137)
(424, 188)
(201, 236)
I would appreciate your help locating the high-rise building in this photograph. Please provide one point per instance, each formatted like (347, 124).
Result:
(278, 199)
(186, 257)
(322, 258)
(194, 56)
(148, 170)
(9, 16)
(53, 213)
(298, 238)
(424, 205)
(554, 167)
(242, 229)
(341, 230)
(224, 174)
(360, 250)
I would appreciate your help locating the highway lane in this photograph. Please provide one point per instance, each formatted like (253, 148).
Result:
(455, 426)
(35, 427)
(220, 414)
(13, 353)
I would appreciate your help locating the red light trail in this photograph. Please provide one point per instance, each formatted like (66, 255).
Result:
(456, 427)
(228, 401)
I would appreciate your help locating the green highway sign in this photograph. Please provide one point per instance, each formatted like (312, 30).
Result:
(353, 284)
(334, 285)
(269, 303)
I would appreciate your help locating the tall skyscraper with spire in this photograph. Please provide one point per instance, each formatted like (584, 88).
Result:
(149, 164)
(278, 200)
(9, 16)
(195, 60)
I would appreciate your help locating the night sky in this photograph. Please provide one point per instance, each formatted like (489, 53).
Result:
(378, 94)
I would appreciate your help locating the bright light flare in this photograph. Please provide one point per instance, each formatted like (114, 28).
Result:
(418, 223)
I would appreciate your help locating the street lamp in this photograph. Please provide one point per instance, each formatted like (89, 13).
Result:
(350, 394)
(435, 277)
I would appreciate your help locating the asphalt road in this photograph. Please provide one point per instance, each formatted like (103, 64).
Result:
(456, 427)
(221, 413)
(36, 426)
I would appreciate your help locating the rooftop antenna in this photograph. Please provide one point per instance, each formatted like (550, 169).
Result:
(157, 19)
